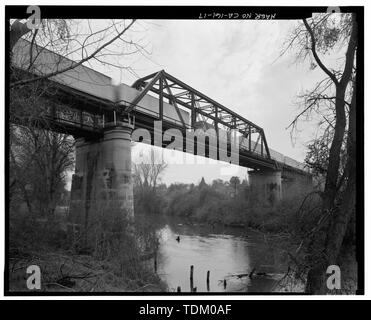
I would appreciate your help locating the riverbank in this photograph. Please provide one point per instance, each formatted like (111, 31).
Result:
(219, 203)
(63, 271)
(117, 265)
(264, 219)
(283, 228)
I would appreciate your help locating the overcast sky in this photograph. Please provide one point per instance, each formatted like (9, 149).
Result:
(235, 63)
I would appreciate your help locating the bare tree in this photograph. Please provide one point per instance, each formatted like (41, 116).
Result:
(146, 177)
(146, 173)
(333, 99)
(77, 40)
(39, 160)
(58, 49)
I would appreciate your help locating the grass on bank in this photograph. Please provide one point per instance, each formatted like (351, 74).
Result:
(115, 263)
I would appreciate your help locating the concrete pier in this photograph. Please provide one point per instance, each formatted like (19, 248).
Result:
(265, 187)
(296, 185)
(102, 184)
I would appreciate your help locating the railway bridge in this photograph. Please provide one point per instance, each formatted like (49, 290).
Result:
(158, 109)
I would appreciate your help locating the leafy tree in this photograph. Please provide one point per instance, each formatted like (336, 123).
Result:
(202, 183)
(234, 182)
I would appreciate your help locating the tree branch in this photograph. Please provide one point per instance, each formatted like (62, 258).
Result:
(17, 31)
(349, 61)
(73, 65)
(315, 55)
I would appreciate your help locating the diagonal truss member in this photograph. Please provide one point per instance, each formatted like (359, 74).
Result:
(210, 112)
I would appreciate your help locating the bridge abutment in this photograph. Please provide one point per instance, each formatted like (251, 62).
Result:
(265, 187)
(102, 189)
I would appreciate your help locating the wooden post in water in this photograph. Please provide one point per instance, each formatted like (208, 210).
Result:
(251, 273)
(208, 280)
(225, 284)
(191, 278)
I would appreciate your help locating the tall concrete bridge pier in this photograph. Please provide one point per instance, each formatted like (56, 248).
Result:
(269, 187)
(102, 183)
(265, 187)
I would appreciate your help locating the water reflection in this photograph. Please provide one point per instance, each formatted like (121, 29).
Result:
(225, 252)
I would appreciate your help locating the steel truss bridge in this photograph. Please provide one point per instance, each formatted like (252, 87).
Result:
(84, 110)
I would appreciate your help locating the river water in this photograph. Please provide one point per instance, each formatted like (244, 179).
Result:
(229, 253)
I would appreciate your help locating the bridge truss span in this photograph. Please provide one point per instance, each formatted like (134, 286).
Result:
(86, 102)
(205, 113)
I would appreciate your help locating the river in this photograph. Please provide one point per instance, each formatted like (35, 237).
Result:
(229, 253)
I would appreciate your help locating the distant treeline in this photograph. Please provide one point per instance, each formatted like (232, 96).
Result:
(226, 202)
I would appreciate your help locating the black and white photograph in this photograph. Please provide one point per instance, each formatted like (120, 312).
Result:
(184, 151)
